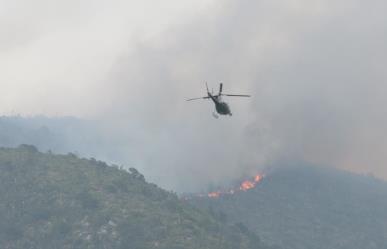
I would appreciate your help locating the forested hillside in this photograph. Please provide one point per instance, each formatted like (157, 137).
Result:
(311, 208)
(62, 201)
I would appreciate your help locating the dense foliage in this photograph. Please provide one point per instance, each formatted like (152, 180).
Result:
(62, 201)
(311, 208)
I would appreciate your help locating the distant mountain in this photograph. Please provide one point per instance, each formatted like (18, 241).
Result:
(310, 208)
(57, 134)
(62, 201)
(88, 138)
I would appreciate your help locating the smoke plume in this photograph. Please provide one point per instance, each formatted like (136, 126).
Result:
(315, 70)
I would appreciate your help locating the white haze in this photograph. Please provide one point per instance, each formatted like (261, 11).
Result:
(316, 70)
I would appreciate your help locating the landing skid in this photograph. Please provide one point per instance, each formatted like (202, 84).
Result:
(215, 115)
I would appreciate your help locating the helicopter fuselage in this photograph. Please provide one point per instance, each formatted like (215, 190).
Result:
(221, 107)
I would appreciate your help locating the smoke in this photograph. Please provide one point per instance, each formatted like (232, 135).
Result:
(315, 70)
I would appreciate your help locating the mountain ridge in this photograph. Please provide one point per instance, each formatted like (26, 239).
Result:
(310, 207)
(62, 201)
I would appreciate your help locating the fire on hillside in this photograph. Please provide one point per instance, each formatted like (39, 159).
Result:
(244, 186)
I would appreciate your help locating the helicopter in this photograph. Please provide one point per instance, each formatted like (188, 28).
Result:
(221, 107)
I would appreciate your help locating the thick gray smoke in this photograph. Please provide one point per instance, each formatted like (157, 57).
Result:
(316, 70)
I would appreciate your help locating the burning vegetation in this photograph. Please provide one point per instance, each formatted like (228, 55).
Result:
(244, 186)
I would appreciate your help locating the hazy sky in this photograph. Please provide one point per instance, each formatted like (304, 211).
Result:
(316, 70)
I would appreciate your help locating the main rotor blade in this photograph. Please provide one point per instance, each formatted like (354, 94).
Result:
(198, 98)
(236, 95)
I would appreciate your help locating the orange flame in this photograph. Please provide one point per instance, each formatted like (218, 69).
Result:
(214, 194)
(258, 178)
(244, 186)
